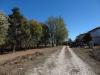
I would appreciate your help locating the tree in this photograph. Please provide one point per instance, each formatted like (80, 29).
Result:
(58, 30)
(52, 30)
(16, 23)
(61, 30)
(46, 35)
(4, 25)
(25, 36)
(70, 42)
(87, 38)
(36, 32)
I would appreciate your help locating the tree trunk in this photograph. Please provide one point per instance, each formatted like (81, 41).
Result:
(52, 43)
(14, 48)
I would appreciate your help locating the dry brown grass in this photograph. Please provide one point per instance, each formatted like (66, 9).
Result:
(84, 54)
(19, 63)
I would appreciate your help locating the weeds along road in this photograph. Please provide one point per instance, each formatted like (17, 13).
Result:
(62, 62)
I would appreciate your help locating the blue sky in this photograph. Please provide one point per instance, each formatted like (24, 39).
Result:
(79, 15)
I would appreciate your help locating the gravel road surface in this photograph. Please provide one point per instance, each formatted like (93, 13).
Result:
(62, 62)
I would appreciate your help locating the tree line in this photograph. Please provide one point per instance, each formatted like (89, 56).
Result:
(17, 32)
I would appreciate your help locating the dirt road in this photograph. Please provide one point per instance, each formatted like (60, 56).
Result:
(62, 62)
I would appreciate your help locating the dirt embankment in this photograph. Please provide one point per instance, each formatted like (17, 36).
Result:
(17, 63)
(84, 54)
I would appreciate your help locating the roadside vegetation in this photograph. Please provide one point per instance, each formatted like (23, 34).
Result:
(19, 33)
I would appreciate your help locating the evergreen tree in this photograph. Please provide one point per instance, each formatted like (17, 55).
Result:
(18, 30)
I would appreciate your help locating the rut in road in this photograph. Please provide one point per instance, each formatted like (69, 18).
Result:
(64, 62)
